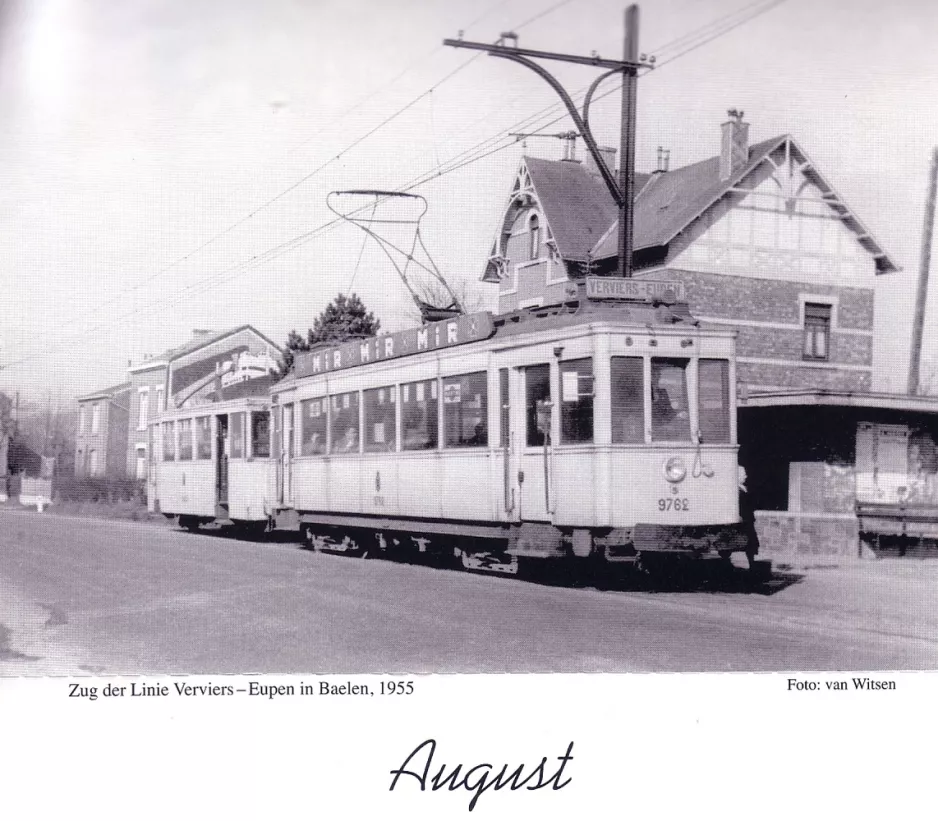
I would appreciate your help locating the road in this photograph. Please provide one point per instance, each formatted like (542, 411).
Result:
(113, 597)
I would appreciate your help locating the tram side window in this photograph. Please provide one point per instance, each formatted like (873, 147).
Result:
(537, 404)
(670, 413)
(260, 434)
(627, 391)
(380, 419)
(419, 415)
(713, 383)
(314, 426)
(236, 435)
(185, 440)
(344, 423)
(203, 437)
(169, 441)
(465, 410)
(576, 400)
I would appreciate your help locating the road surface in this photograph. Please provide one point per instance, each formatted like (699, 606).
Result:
(111, 597)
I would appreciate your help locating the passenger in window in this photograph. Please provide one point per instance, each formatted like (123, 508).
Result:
(480, 435)
(316, 443)
(662, 410)
(349, 442)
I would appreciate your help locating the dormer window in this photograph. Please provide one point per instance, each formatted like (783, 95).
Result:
(534, 233)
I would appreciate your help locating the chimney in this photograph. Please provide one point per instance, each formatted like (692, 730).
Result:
(734, 148)
(664, 160)
(200, 332)
(609, 156)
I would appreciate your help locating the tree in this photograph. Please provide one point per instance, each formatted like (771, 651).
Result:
(342, 319)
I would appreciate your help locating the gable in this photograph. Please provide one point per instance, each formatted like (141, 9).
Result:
(782, 221)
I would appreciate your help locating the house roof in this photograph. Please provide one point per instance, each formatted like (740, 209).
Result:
(203, 340)
(584, 219)
(106, 393)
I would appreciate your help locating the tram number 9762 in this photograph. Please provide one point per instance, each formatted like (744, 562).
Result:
(673, 503)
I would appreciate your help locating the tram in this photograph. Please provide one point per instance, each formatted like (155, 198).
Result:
(210, 464)
(601, 429)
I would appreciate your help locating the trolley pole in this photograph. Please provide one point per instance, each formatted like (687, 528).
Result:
(627, 143)
(621, 189)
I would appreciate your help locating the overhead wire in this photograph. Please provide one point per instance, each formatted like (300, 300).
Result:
(258, 259)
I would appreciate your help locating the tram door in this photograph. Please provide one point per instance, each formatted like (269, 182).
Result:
(285, 455)
(221, 460)
(531, 423)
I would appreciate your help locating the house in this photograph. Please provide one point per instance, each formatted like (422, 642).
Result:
(205, 363)
(758, 236)
(101, 435)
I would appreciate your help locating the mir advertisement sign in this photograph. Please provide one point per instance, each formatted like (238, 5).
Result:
(431, 337)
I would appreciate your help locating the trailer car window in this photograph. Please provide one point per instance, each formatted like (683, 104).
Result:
(419, 415)
(185, 440)
(465, 410)
(380, 419)
(203, 437)
(314, 416)
(627, 391)
(537, 403)
(576, 400)
(713, 381)
(344, 423)
(260, 434)
(169, 442)
(670, 412)
(236, 434)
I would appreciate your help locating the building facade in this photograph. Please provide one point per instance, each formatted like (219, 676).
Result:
(757, 235)
(101, 434)
(206, 362)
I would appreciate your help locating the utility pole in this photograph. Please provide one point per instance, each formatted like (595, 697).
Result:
(621, 189)
(921, 296)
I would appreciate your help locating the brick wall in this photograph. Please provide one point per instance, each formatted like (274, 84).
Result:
(785, 536)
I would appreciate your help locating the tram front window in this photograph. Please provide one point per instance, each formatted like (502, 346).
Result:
(670, 412)
(713, 386)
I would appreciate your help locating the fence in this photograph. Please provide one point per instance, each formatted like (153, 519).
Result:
(97, 489)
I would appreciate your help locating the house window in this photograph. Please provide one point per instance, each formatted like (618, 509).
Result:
(93, 463)
(159, 400)
(817, 330)
(81, 419)
(534, 232)
(144, 408)
(95, 417)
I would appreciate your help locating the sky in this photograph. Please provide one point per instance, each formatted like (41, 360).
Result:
(165, 165)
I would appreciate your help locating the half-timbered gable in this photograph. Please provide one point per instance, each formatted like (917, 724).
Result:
(759, 237)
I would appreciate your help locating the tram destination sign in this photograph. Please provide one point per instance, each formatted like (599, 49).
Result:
(647, 290)
(430, 337)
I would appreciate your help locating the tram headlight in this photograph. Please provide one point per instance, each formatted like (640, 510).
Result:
(675, 470)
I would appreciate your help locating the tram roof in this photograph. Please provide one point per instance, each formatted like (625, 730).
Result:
(640, 315)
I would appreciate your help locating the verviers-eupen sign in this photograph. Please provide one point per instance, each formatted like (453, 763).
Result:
(633, 289)
(431, 337)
